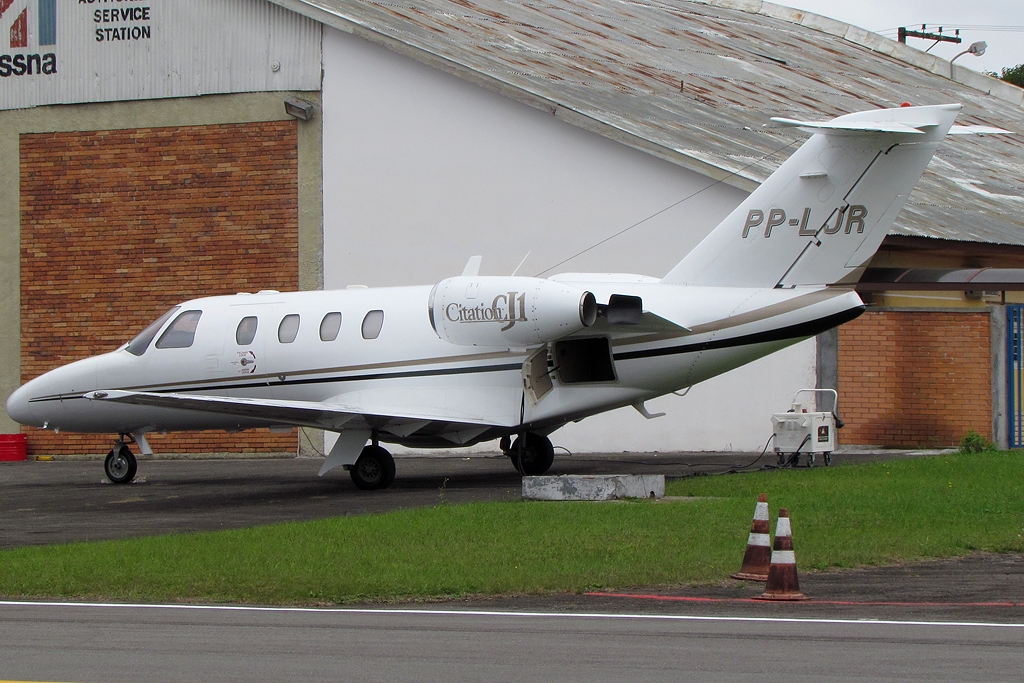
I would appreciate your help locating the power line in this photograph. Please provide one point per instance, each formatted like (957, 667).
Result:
(962, 27)
(670, 206)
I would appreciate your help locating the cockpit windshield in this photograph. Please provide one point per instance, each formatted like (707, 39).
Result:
(142, 341)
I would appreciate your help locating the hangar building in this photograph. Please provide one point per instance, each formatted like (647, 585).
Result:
(148, 158)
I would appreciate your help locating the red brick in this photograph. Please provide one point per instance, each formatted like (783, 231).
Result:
(927, 388)
(118, 226)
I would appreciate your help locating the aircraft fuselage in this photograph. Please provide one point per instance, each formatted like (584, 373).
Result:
(460, 393)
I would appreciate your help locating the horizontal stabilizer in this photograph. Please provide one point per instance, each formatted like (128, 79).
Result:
(978, 130)
(856, 126)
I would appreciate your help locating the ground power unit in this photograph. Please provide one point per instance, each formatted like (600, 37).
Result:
(803, 431)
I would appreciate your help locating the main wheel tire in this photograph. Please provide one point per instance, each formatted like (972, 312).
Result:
(536, 455)
(120, 465)
(375, 469)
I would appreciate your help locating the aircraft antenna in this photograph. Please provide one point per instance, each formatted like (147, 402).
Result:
(522, 262)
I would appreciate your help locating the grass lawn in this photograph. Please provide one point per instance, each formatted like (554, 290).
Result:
(842, 516)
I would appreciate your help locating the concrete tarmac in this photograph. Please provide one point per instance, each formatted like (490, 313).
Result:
(67, 501)
(142, 644)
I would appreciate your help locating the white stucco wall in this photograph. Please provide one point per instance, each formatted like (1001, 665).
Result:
(423, 170)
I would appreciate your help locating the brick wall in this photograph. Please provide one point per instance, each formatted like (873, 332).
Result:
(118, 226)
(915, 378)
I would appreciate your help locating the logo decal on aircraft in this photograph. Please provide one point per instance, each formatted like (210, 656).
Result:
(852, 215)
(501, 310)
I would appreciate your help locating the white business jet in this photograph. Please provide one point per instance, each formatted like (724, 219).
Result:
(475, 358)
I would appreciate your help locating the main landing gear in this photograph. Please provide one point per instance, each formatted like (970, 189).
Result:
(531, 453)
(120, 465)
(374, 469)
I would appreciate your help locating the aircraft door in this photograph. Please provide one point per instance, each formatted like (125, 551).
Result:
(244, 341)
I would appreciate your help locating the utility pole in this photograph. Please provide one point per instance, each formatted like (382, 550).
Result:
(905, 33)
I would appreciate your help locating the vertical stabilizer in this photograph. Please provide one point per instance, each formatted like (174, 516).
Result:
(825, 211)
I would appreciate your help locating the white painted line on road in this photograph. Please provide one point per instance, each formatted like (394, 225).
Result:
(486, 613)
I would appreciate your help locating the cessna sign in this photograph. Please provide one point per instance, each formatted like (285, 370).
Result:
(17, 18)
(71, 51)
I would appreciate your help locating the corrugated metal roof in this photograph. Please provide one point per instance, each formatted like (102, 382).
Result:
(696, 83)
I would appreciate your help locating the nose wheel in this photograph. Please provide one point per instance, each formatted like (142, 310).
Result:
(120, 465)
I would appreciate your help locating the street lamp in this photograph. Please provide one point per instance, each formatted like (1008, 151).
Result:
(977, 49)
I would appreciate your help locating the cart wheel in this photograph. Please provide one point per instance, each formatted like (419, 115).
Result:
(828, 459)
(810, 460)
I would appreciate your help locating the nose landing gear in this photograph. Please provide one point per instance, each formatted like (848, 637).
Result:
(120, 465)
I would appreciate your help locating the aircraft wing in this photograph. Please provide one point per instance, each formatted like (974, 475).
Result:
(333, 414)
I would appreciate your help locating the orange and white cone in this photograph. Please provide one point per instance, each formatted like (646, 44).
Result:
(758, 556)
(782, 579)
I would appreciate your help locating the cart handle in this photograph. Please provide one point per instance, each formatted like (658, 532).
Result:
(835, 397)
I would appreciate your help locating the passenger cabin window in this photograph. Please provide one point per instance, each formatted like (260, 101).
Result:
(372, 323)
(330, 326)
(246, 330)
(143, 339)
(288, 328)
(181, 333)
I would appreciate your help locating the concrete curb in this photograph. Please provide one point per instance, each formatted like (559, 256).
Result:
(594, 487)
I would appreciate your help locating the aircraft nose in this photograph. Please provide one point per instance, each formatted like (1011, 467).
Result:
(18, 407)
(41, 401)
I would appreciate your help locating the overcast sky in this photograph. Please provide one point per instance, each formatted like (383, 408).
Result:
(1005, 48)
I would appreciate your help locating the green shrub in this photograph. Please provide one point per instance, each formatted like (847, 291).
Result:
(973, 442)
(1014, 75)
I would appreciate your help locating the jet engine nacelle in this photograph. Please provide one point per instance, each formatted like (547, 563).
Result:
(508, 311)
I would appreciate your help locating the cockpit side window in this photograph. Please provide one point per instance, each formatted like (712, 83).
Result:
(143, 339)
(246, 330)
(181, 333)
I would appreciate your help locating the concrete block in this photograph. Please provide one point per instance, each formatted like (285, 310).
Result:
(595, 487)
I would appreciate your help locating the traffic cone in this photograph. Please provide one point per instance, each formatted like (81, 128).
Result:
(758, 556)
(782, 579)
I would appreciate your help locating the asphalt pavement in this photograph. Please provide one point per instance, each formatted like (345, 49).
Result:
(63, 642)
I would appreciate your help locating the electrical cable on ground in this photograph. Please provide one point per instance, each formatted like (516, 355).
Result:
(305, 434)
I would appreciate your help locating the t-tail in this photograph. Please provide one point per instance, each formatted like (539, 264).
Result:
(820, 217)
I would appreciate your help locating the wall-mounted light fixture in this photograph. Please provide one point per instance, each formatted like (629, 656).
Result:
(299, 108)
